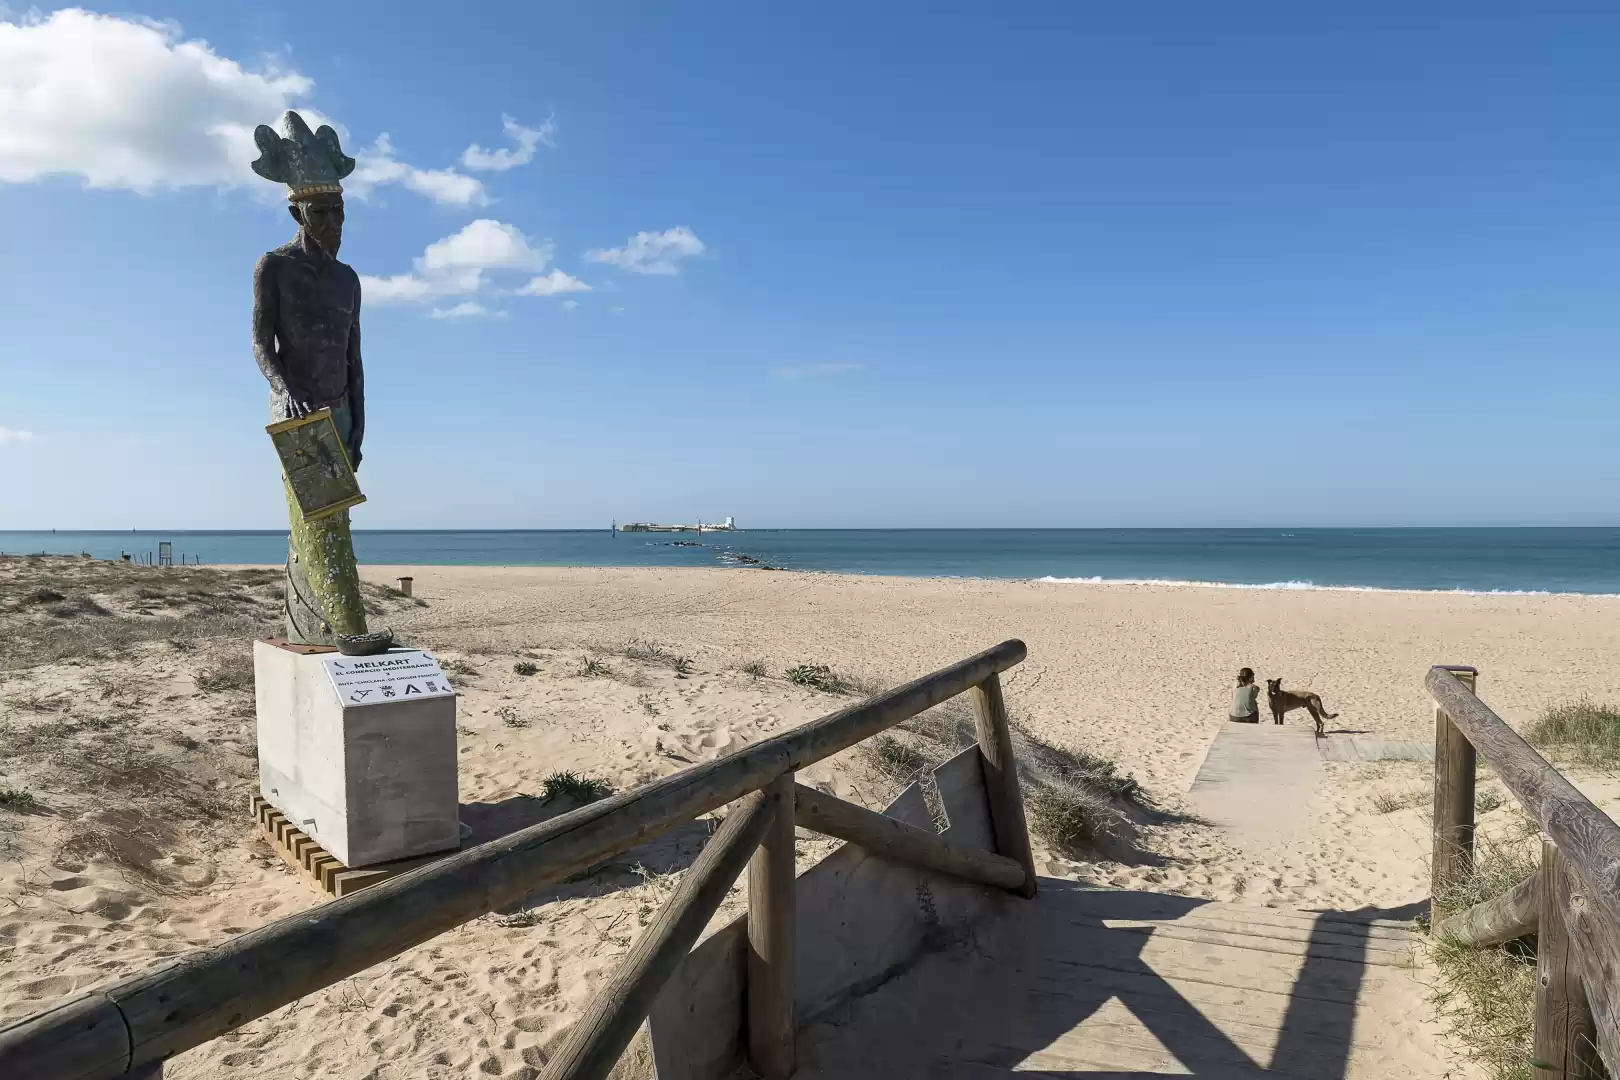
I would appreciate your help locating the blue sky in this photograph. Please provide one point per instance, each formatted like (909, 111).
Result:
(903, 264)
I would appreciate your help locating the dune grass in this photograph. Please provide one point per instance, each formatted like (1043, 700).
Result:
(823, 678)
(1486, 996)
(1074, 800)
(569, 785)
(649, 652)
(1581, 732)
(233, 672)
(816, 677)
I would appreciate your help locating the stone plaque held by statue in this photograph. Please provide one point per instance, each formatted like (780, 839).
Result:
(316, 465)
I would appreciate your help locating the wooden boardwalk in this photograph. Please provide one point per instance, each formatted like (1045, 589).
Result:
(1117, 985)
(1257, 780)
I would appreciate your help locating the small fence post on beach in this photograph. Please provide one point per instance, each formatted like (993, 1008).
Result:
(1454, 765)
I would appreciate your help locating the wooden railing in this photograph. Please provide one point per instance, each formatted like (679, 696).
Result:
(129, 1028)
(1571, 904)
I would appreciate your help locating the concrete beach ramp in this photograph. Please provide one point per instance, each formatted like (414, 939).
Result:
(1107, 984)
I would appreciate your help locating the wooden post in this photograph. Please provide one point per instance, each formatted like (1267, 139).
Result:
(1566, 1037)
(596, 1041)
(770, 940)
(1453, 798)
(1001, 779)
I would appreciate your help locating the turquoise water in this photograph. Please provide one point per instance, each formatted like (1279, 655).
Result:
(1486, 560)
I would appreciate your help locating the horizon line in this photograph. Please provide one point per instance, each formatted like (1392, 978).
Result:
(823, 528)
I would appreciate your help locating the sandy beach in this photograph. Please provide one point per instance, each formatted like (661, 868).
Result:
(1138, 674)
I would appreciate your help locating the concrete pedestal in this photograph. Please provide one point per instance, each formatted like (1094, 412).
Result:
(359, 752)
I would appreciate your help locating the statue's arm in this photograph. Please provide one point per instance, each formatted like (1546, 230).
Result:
(266, 313)
(357, 378)
(264, 323)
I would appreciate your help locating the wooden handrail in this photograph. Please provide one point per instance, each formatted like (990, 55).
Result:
(1578, 894)
(1588, 838)
(885, 836)
(182, 1004)
(1513, 914)
(594, 1044)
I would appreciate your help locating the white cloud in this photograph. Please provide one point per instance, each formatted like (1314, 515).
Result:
(398, 289)
(652, 252)
(553, 284)
(12, 435)
(467, 309)
(813, 371)
(527, 140)
(570, 305)
(129, 103)
(125, 103)
(460, 265)
(488, 245)
(377, 166)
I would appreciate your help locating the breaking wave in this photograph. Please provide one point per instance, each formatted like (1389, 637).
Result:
(1306, 586)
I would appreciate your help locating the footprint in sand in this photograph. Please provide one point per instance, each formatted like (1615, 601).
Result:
(109, 904)
(53, 987)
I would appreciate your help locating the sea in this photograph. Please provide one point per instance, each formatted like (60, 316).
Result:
(1488, 560)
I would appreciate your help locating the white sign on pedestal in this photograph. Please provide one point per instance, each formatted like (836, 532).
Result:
(392, 676)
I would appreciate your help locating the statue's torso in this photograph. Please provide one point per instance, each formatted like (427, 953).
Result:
(317, 303)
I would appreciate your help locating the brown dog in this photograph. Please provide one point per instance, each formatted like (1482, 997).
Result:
(1285, 701)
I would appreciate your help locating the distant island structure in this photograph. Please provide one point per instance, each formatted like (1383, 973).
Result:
(729, 525)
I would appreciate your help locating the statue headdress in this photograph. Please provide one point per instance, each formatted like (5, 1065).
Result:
(308, 162)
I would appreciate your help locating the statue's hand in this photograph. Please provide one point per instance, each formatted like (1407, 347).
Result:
(297, 408)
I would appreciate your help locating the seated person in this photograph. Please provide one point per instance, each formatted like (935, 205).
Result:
(1246, 699)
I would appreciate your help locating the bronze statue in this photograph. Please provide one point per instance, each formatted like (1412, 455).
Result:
(306, 340)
